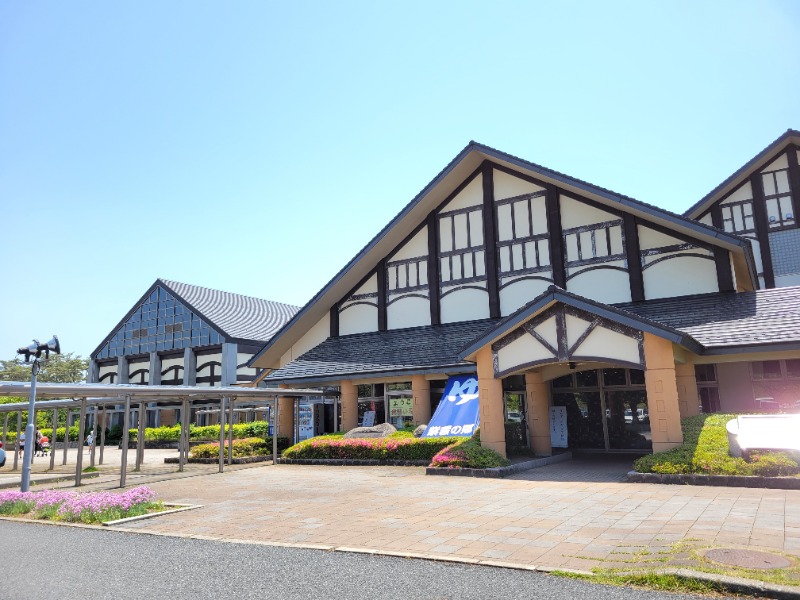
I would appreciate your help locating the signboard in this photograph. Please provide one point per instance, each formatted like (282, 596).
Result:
(401, 407)
(457, 413)
(558, 426)
(369, 419)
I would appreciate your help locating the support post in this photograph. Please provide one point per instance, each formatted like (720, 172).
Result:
(189, 367)
(66, 437)
(275, 431)
(30, 442)
(142, 415)
(81, 437)
(222, 434)
(93, 445)
(16, 444)
(688, 398)
(421, 407)
(126, 425)
(183, 447)
(53, 440)
(490, 390)
(662, 393)
(5, 431)
(103, 433)
(296, 407)
(335, 414)
(349, 397)
(231, 403)
(537, 394)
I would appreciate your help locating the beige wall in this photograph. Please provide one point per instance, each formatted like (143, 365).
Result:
(537, 392)
(349, 403)
(421, 391)
(490, 390)
(735, 387)
(662, 393)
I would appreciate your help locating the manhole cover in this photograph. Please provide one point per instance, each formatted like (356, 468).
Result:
(747, 559)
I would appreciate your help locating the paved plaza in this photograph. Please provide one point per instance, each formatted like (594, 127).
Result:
(576, 515)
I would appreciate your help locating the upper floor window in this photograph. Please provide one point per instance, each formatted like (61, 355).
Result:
(461, 245)
(523, 245)
(589, 244)
(778, 198)
(737, 217)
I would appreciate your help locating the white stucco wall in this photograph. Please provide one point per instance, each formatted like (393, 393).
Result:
(521, 351)
(743, 193)
(782, 162)
(680, 276)
(415, 247)
(520, 292)
(106, 369)
(575, 213)
(410, 311)
(548, 331)
(605, 343)
(313, 337)
(650, 238)
(472, 195)
(466, 304)
(603, 284)
(358, 318)
(242, 358)
(707, 220)
(508, 186)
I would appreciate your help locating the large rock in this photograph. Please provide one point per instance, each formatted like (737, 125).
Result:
(420, 430)
(376, 431)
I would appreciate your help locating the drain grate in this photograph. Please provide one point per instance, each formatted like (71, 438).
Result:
(747, 559)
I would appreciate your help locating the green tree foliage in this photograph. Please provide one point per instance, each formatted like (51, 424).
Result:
(59, 368)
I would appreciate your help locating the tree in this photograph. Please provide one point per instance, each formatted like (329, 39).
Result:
(59, 368)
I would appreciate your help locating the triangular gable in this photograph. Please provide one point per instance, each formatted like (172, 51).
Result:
(160, 321)
(562, 327)
(459, 176)
(790, 139)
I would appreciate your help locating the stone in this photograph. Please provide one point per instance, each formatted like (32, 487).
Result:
(376, 431)
(420, 430)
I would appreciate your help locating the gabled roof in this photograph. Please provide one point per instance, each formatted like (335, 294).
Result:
(759, 161)
(433, 194)
(233, 316)
(555, 294)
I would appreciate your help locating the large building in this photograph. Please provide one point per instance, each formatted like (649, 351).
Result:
(180, 334)
(558, 293)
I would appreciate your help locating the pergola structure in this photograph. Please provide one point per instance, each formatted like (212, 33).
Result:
(117, 397)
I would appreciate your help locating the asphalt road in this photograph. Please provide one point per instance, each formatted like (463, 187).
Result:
(49, 562)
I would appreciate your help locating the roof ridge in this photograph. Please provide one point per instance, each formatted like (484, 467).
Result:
(170, 283)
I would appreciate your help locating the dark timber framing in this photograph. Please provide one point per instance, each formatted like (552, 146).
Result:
(722, 260)
(556, 238)
(490, 237)
(631, 237)
(762, 229)
(335, 320)
(433, 268)
(383, 292)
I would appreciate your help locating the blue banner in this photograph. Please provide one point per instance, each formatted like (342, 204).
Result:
(457, 413)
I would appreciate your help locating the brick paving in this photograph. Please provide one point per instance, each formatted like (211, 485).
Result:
(575, 515)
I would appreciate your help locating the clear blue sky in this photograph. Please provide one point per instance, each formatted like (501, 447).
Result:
(255, 147)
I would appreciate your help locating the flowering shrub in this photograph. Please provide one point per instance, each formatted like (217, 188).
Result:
(88, 507)
(468, 453)
(391, 448)
(241, 448)
(207, 432)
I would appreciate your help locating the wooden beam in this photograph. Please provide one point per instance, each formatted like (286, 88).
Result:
(382, 293)
(634, 257)
(433, 268)
(722, 259)
(553, 205)
(335, 320)
(762, 229)
(490, 240)
(794, 180)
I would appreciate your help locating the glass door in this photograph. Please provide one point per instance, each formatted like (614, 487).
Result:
(627, 420)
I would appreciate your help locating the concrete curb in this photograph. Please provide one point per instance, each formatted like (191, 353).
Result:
(347, 462)
(245, 460)
(498, 472)
(777, 483)
(55, 478)
(178, 508)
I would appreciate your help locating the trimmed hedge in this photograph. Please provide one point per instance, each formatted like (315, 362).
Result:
(705, 451)
(207, 432)
(242, 447)
(467, 453)
(398, 447)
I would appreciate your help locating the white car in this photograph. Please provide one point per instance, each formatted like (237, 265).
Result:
(2, 455)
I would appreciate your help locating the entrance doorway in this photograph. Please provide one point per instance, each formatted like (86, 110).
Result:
(606, 409)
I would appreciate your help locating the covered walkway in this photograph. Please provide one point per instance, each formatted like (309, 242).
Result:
(93, 402)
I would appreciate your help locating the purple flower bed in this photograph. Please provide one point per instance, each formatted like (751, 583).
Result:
(87, 507)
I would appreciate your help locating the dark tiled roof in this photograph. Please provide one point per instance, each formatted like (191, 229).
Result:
(410, 350)
(733, 319)
(236, 316)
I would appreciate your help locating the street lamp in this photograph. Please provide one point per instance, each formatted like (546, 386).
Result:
(35, 350)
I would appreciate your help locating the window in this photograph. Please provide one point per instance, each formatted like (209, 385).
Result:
(593, 244)
(768, 369)
(705, 373)
(777, 195)
(407, 275)
(523, 245)
(461, 245)
(737, 217)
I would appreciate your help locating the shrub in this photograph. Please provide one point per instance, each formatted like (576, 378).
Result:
(391, 448)
(705, 451)
(243, 447)
(469, 454)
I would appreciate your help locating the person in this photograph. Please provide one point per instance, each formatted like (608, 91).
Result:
(21, 445)
(90, 438)
(38, 447)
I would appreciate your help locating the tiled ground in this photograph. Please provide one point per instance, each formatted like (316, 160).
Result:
(576, 515)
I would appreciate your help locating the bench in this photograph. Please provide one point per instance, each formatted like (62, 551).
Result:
(763, 432)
